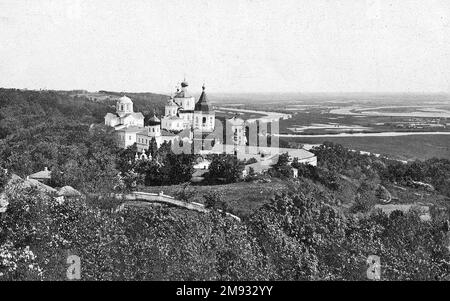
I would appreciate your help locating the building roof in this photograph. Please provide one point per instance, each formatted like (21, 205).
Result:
(43, 174)
(167, 133)
(173, 118)
(68, 191)
(299, 153)
(202, 103)
(35, 183)
(110, 115)
(199, 173)
(124, 100)
(186, 133)
(131, 129)
(138, 115)
(153, 120)
(181, 111)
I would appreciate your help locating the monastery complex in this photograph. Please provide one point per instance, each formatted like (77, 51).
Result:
(186, 120)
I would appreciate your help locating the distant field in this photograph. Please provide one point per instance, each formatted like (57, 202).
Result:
(402, 148)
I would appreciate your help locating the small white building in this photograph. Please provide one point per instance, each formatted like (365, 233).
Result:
(126, 136)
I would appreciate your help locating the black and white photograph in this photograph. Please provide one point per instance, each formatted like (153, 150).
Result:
(224, 146)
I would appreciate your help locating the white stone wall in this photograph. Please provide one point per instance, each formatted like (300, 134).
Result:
(170, 110)
(187, 103)
(125, 139)
(204, 121)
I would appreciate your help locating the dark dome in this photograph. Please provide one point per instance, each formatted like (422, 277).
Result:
(153, 120)
(184, 84)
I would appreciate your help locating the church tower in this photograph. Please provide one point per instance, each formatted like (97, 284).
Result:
(204, 116)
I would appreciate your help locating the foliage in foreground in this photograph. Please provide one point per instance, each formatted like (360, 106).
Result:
(295, 237)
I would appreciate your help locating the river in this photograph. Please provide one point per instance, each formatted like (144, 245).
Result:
(383, 134)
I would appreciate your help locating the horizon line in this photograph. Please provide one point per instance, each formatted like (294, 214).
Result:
(239, 92)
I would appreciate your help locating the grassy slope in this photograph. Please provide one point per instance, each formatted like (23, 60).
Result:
(243, 197)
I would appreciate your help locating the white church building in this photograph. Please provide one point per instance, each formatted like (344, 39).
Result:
(124, 116)
(189, 121)
(181, 113)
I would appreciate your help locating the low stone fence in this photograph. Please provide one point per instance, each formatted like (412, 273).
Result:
(167, 199)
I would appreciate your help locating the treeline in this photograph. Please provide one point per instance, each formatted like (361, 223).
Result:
(336, 158)
(53, 129)
(25, 109)
(298, 236)
(147, 103)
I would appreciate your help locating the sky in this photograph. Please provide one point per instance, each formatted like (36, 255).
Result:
(232, 46)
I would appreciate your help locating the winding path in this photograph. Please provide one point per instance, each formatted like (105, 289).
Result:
(164, 199)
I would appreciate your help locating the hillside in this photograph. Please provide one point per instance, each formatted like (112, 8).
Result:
(321, 226)
(144, 102)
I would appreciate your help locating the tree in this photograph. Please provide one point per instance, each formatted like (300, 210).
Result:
(226, 168)
(178, 168)
(281, 168)
(153, 147)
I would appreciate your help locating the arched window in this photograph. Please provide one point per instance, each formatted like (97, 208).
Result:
(204, 119)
